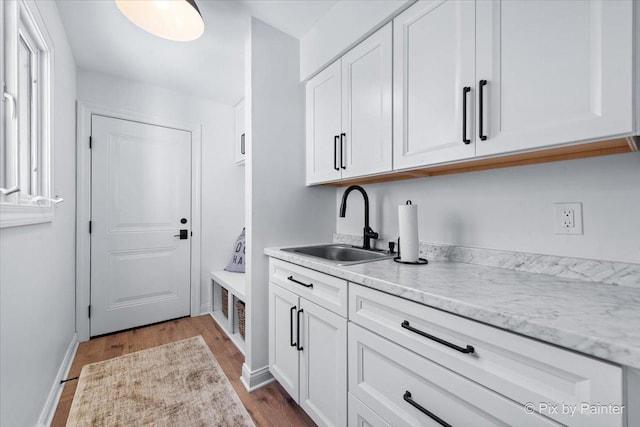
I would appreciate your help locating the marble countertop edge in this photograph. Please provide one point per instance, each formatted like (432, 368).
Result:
(605, 348)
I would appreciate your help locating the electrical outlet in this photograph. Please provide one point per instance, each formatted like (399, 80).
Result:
(568, 218)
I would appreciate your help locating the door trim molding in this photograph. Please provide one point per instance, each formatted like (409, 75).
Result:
(84, 111)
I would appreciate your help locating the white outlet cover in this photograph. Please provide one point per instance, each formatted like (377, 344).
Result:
(558, 218)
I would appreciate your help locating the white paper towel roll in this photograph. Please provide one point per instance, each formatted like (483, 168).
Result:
(408, 224)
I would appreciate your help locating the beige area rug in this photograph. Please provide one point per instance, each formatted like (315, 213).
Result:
(178, 384)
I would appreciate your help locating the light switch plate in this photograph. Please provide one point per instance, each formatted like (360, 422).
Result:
(568, 218)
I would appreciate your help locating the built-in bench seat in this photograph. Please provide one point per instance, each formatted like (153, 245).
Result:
(223, 307)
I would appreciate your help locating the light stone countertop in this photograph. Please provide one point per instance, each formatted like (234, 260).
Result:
(597, 319)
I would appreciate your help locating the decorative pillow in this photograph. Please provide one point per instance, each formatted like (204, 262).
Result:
(236, 264)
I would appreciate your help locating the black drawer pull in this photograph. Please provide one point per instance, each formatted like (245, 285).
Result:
(293, 310)
(419, 407)
(483, 137)
(465, 92)
(466, 350)
(298, 346)
(306, 285)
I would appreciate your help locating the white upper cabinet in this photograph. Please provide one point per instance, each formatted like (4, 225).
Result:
(366, 106)
(239, 133)
(323, 110)
(532, 74)
(556, 72)
(434, 43)
(349, 118)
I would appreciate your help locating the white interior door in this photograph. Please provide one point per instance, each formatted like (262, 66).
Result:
(141, 194)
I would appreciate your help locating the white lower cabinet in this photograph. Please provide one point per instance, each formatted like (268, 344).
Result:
(408, 390)
(308, 348)
(397, 363)
(413, 364)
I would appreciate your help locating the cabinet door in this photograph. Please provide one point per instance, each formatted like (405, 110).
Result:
(366, 106)
(239, 134)
(434, 44)
(283, 353)
(323, 365)
(555, 71)
(323, 110)
(361, 416)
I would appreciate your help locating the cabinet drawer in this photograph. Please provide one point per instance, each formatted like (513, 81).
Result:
(361, 416)
(402, 387)
(326, 291)
(520, 368)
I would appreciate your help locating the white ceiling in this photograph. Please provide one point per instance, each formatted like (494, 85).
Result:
(103, 39)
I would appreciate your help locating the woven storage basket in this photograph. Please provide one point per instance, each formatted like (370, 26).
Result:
(225, 302)
(240, 309)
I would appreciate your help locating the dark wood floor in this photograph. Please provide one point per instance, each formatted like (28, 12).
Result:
(268, 406)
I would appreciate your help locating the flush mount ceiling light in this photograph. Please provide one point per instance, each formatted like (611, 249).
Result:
(178, 20)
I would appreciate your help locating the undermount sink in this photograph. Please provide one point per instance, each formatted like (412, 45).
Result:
(340, 254)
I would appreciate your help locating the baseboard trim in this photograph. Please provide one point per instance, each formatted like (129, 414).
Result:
(253, 380)
(204, 309)
(51, 404)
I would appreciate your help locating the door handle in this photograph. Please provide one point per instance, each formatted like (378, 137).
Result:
(335, 152)
(342, 136)
(184, 234)
(482, 83)
(291, 313)
(242, 144)
(465, 92)
(298, 346)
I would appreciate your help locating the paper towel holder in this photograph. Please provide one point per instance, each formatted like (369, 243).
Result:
(420, 261)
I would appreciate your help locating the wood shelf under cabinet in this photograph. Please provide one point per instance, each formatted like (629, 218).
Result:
(578, 151)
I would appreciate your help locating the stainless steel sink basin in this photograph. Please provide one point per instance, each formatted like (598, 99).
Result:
(340, 254)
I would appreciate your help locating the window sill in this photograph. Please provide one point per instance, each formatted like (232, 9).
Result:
(18, 215)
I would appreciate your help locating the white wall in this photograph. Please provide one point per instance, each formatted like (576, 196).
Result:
(280, 209)
(347, 23)
(512, 209)
(222, 179)
(37, 265)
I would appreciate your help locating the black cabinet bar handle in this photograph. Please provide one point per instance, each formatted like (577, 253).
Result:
(306, 285)
(467, 350)
(342, 136)
(335, 153)
(298, 346)
(483, 83)
(293, 310)
(419, 407)
(465, 92)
